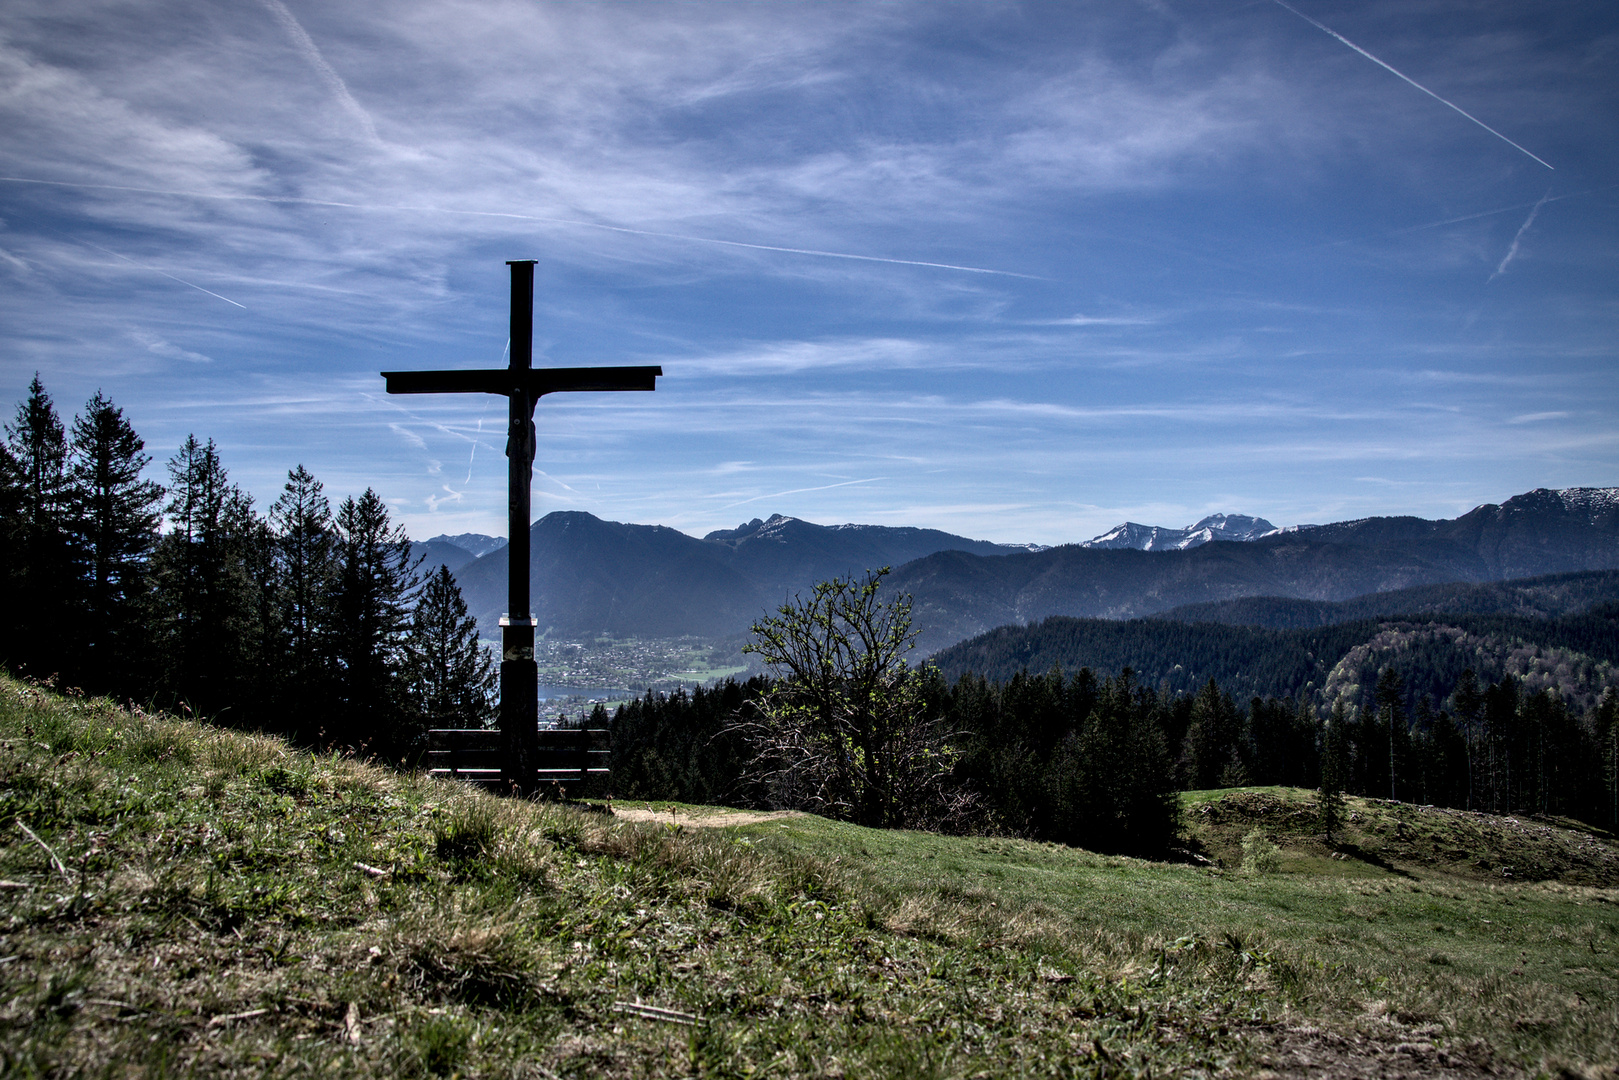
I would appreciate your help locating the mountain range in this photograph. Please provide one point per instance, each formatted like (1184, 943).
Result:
(957, 595)
(1233, 527)
(591, 576)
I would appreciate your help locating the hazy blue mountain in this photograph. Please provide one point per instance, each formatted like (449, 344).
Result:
(590, 575)
(958, 595)
(476, 543)
(440, 552)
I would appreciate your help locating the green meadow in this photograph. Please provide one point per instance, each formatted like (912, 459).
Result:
(183, 900)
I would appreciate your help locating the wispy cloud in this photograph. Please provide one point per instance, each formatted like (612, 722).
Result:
(1512, 252)
(1538, 417)
(410, 437)
(311, 52)
(159, 347)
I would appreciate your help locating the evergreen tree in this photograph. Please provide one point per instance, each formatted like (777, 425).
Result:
(1211, 740)
(1391, 715)
(453, 676)
(205, 595)
(375, 586)
(1607, 737)
(1333, 755)
(306, 556)
(1112, 781)
(1468, 701)
(44, 575)
(116, 519)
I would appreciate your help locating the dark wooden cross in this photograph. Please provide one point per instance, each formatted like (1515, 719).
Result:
(523, 386)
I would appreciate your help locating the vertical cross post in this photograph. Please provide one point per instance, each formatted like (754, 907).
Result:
(519, 675)
(522, 386)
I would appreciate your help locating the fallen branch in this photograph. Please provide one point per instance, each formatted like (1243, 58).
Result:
(55, 859)
(654, 1012)
(374, 871)
(228, 1017)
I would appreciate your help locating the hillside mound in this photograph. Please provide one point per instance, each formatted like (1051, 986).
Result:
(1381, 836)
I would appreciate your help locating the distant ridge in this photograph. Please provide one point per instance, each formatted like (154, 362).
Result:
(1539, 532)
(1228, 527)
(1537, 597)
(591, 576)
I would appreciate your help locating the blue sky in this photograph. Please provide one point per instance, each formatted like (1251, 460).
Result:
(1051, 266)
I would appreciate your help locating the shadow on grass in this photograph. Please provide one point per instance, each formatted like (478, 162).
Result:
(1355, 851)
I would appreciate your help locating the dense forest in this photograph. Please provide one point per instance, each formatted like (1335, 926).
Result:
(1577, 654)
(1083, 760)
(307, 621)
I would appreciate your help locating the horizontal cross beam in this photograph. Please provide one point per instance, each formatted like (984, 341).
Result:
(536, 381)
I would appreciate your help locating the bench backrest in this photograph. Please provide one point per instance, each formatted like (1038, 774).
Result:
(576, 758)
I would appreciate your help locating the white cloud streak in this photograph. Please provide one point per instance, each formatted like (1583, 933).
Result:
(311, 52)
(1512, 252)
(1328, 30)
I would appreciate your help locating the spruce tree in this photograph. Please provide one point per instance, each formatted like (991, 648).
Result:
(1211, 739)
(204, 593)
(452, 676)
(1391, 711)
(45, 578)
(1333, 767)
(1468, 701)
(375, 586)
(116, 520)
(306, 555)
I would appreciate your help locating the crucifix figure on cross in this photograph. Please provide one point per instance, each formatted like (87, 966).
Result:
(523, 386)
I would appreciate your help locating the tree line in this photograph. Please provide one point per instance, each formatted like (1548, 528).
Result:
(307, 621)
(847, 729)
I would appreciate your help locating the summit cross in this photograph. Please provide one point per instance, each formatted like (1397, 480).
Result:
(522, 385)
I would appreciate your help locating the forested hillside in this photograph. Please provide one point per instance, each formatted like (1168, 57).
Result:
(309, 620)
(1578, 654)
(1541, 597)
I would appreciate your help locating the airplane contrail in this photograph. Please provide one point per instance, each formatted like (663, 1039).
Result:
(165, 273)
(1329, 30)
(1513, 250)
(311, 52)
(795, 491)
(297, 201)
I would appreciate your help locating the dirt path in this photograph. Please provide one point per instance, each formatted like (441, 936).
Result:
(707, 819)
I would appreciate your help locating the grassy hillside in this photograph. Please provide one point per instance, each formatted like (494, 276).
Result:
(180, 899)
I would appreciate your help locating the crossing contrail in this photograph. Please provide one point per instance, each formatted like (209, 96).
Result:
(294, 200)
(1513, 250)
(311, 52)
(1329, 30)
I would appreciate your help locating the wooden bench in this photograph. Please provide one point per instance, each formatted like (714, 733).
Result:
(574, 763)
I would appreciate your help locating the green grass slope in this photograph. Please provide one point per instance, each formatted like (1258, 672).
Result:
(181, 900)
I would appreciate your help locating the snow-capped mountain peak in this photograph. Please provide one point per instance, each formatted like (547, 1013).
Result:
(1228, 527)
